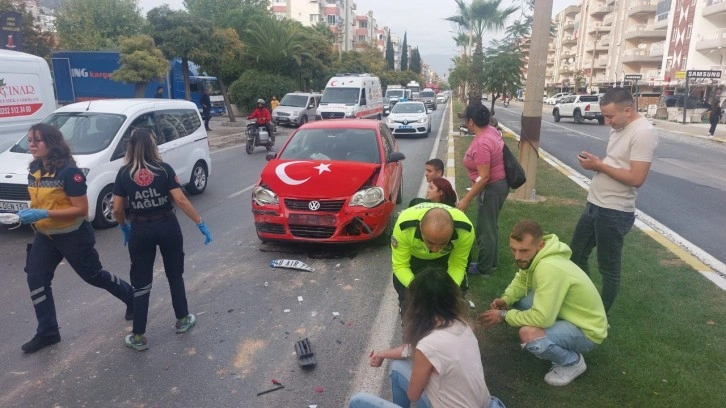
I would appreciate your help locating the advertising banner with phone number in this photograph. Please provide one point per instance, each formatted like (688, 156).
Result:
(19, 95)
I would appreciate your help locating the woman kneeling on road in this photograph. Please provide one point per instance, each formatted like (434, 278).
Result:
(441, 365)
(148, 185)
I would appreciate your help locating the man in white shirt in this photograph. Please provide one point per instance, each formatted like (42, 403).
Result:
(610, 211)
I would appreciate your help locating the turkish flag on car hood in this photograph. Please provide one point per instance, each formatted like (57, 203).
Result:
(316, 178)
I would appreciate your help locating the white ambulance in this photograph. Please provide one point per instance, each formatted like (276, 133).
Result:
(26, 94)
(351, 96)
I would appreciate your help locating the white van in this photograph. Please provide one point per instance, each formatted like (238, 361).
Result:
(355, 96)
(26, 94)
(98, 132)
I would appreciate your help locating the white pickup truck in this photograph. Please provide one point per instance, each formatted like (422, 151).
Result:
(579, 107)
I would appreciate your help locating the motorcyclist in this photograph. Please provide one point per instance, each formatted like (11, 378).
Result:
(263, 116)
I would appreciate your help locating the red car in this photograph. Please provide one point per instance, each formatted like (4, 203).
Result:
(333, 181)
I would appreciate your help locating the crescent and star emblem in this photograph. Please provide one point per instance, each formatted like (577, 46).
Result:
(282, 175)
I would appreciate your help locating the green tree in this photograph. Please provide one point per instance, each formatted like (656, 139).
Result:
(219, 58)
(97, 24)
(178, 34)
(390, 60)
(404, 53)
(478, 18)
(316, 64)
(415, 61)
(502, 70)
(275, 45)
(141, 63)
(35, 41)
(255, 84)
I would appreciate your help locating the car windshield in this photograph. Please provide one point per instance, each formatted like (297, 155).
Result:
(348, 96)
(340, 144)
(426, 94)
(85, 132)
(298, 101)
(408, 108)
(394, 93)
(213, 87)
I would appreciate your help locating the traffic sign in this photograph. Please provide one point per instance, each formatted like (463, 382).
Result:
(633, 77)
(697, 73)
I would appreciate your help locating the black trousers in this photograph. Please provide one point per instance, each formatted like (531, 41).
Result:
(712, 129)
(417, 265)
(78, 248)
(206, 115)
(166, 234)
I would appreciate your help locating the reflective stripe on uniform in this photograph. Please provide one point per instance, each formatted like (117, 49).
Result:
(38, 300)
(142, 291)
(36, 291)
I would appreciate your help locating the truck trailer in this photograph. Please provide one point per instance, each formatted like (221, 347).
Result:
(86, 75)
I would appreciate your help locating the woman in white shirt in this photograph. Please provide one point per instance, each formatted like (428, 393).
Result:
(440, 366)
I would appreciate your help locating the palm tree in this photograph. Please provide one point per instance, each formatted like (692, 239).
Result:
(479, 17)
(277, 45)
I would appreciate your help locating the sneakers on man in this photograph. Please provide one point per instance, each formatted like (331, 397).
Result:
(136, 341)
(38, 342)
(185, 323)
(563, 375)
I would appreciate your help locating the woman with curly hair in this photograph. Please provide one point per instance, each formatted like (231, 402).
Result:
(440, 365)
(441, 191)
(59, 207)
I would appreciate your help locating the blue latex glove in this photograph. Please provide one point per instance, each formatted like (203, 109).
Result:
(126, 230)
(31, 215)
(204, 230)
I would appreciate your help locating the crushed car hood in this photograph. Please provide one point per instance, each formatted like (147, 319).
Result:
(316, 178)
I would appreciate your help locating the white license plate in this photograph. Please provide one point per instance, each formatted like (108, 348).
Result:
(13, 205)
(405, 127)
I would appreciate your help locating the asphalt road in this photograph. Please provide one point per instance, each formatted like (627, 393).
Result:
(685, 189)
(249, 315)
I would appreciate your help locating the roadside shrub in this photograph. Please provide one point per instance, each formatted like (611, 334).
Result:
(253, 85)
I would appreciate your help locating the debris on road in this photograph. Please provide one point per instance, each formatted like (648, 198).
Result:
(278, 386)
(319, 389)
(304, 352)
(291, 264)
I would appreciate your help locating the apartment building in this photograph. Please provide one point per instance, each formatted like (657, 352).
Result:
(339, 15)
(366, 30)
(598, 42)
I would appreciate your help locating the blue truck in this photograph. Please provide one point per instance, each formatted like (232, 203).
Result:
(86, 75)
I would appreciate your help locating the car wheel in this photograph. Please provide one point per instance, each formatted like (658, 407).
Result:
(250, 146)
(385, 237)
(104, 209)
(578, 117)
(198, 182)
(303, 120)
(601, 121)
(556, 114)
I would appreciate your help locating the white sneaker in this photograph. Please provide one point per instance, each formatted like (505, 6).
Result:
(563, 375)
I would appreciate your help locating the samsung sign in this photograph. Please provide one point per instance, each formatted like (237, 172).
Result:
(692, 73)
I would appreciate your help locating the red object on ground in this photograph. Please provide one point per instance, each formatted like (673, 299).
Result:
(319, 389)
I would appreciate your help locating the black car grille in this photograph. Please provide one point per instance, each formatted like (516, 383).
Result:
(270, 228)
(332, 206)
(305, 231)
(332, 115)
(14, 192)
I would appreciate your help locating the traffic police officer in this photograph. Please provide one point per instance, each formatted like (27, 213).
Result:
(429, 234)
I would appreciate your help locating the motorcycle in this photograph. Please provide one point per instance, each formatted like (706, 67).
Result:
(257, 135)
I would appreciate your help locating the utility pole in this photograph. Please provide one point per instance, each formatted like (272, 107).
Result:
(532, 112)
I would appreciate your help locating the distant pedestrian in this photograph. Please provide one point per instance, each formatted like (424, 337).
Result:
(610, 211)
(715, 117)
(147, 186)
(206, 103)
(159, 92)
(274, 103)
(58, 210)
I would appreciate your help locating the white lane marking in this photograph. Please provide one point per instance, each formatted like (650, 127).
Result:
(244, 190)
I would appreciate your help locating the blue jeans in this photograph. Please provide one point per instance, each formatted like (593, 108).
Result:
(605, 229)
(400, 374)
(562, 342)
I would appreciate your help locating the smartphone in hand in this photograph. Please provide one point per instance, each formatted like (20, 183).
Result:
(582, 156)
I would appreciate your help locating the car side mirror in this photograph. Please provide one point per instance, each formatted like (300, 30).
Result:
(395, 157)
(311, 106)
(271, 156)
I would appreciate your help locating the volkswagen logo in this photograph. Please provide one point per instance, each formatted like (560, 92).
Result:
(314, 205)
(405, 121)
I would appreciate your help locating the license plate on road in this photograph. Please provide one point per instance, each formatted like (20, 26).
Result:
(405, 127)
(327, 220)
(13, 205)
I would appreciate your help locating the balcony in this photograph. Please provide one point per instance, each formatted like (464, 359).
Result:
(714, 7)
(644, 31)
(569, 40)
(656, 49)
(661, 21)
(642, 8)
(599, 28)
(601, 62)
(600, 9)
(568, 25)
(572, 10)
(565, 69)
(608, 20)
(640, 55)
(652, 75)
(712, 41)
(605, 40)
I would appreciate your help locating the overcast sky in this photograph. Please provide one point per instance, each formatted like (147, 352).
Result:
(421, 19)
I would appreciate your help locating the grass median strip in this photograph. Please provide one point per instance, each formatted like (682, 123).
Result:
(667, 342)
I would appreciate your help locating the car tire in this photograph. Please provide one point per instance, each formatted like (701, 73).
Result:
(601, 121)
(577, 116)
(556, 114)
(303, 120)
(250, 146)
(199, 179)
(385, 237)
(104, 217)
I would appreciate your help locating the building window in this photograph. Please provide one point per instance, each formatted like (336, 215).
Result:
(684, 64)
(688, 32)
(674, 34)
(314, 18)
(331, 19)
(363, 24)
(361, 38)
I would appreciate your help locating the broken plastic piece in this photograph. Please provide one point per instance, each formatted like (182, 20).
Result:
(304, 352)
(279, 387)
(319, 389)
(291, 264)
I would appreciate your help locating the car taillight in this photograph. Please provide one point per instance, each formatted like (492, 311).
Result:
(587, 107)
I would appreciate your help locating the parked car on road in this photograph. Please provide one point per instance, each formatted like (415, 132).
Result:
(333, 181)
(579, 107)
(296, 108)
(409, 118)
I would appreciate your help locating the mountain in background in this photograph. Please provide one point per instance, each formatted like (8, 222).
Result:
(440, 63)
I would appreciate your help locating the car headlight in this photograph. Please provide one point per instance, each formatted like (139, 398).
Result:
(422, 120)
(264, 196)
(369, 197)
(295, 113)
(350, 114)
(390, 120)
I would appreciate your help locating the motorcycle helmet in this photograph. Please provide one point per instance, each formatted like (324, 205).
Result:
(262, 101)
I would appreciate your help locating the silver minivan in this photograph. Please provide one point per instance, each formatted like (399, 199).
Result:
(296, 108)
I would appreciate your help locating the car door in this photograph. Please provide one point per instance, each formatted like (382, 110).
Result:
(566, 108)
(173, 142)
(393, 171)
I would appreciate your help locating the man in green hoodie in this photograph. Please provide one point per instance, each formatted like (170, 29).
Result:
(557, 308)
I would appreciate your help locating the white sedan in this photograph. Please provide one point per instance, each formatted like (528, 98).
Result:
(409, 118)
